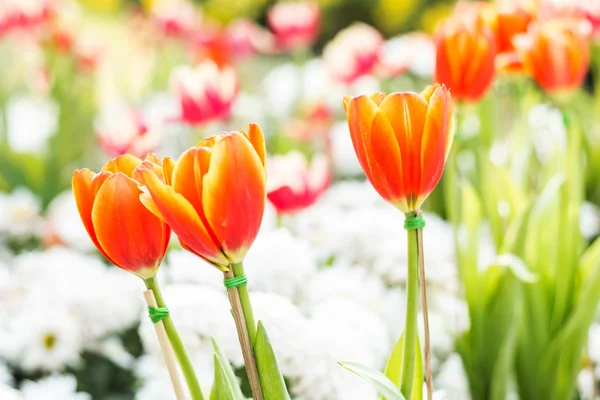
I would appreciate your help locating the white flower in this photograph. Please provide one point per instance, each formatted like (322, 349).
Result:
(594, 342)
(6, 377)
(586, 384)
(63, 222)
(20, 214)
(105, 299)
(56, 387)
(279, 263)
(281, 89)
(44, 338)
(341, 281)
(341, 330)
(589, 220)
(31, 121)
(287, 329)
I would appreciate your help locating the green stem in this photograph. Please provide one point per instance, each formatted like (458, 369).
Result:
(182, 357)
(238, 269)
(409, 350)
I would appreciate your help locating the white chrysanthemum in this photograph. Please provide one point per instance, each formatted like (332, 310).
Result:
(104, 299)
(594, 343)
(199, 313)
(452, 378)
(279, 263)
(155, 380)
(185, 267)
(20, 214)
(341, 281)
(44, 338)
(57, 387)
(341, 330)
(63, 220)
(31, 121)
(287, 328)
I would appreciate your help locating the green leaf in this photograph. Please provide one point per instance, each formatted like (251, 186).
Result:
(271, 379)
(379, 381)
(222, 388)
(516, 266)
(229, 374)
(393, 368)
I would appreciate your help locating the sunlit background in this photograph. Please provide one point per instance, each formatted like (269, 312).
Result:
(82, 82)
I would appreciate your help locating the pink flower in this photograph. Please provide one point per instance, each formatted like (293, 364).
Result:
(121, 130)
(176, 18)
(295, 24)
(353, 52)
(292, 185)
(23, 14)
(205, 92)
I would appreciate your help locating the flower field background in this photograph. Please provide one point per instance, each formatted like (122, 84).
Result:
(512, 261)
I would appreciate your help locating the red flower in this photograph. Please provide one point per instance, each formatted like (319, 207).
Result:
(205, 92)
(293, 185)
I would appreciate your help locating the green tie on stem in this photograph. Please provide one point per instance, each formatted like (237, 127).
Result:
(182, 357)
(238, 271)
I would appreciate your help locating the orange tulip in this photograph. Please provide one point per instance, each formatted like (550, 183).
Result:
(402, 141)
(216, 198)
(465, 60)
(123, 230)
(511, 22)
(556, 53)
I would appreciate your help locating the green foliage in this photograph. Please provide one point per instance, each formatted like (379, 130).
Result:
(385, 387)
(271, 379)
(225, 385)
(393, 368)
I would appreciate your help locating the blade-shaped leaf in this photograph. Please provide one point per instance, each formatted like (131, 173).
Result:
(379, 381)
(230, 375)
(222, 388)
(393, 368)
(271, 379)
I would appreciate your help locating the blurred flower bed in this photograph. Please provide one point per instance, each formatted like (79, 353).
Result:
(81, 83)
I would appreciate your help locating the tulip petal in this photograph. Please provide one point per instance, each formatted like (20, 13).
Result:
(257, 139)
(125, 164)
(361, 112)
(181, 216)
(134, 238)
(406, 113)
(234, 194)
(85, 186)
(437, 141)
(386, 161)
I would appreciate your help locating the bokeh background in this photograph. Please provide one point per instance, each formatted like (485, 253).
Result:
(84, 81)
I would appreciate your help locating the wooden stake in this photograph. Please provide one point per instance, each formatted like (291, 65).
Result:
(423, 287)
(244, 338)
(167, 351)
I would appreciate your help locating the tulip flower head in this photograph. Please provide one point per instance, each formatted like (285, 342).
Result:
(295, 24)
(293, 185)
(123, 230)
(205, 92)
(175, 18)
(402, 141)
(353, 52)
(215, 198)
(556, 53)
(465, 60)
